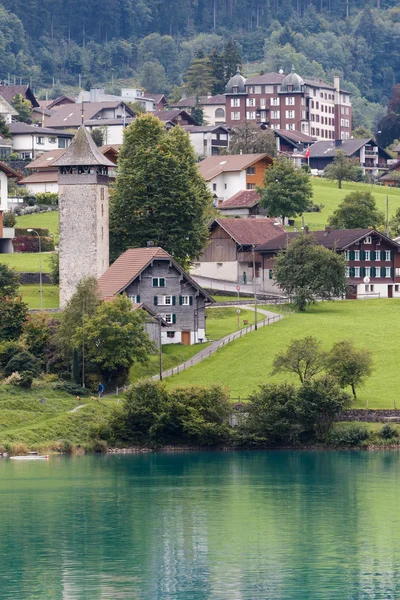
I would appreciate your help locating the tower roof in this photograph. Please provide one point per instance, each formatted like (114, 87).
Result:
(237, 83)
(294, 81)
(82, 152)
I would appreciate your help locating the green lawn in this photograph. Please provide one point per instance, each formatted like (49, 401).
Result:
(31, 295)
(27, 262)
(45, 220)
(327, 193)
(246, 363)
(232, 298)
(172, 356)
(222, 321)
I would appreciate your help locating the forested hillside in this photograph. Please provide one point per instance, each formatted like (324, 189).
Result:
(154, 42)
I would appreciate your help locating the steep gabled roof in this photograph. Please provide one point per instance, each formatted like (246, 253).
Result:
(191, 101)
(18, 128)
(247, 232)
(265, 79)
(47, 159)
(70, 115)
(212, 166)
(242, 199)
(329, 149)
(295, 136)
(8, 171)
(170, 115)
(40, 177)
(335, 239)
(10, 91)
(82, 152)
(130, 264)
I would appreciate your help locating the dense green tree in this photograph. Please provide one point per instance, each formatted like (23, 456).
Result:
(303, 357)
(153, 77)
(36, 334)
(342, 168)
(358, 210)
(13, 314)
(350, 366)
(98, 136)
(23, 361)
(218, 72)
(23, 107)
(250, 139)
(9, 281)
(4, 130)
(159, 194)
(231, 59)
(286, 191)
(197, 112)
(199, 78)
(394, 223)
(362, 132)
(306, 272)
(114, 338)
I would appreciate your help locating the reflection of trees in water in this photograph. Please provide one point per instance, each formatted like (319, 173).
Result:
(278, 525)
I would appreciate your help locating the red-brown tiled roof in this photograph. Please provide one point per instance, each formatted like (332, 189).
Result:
(242, 199)
(9, 171)
(40, 177)
(212, 166)
(251, 231)
(126, 268)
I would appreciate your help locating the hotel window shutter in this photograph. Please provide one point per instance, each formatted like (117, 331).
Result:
(352, 271)
(180, 300)
(391, 272)
(373, 271)
(190, 300)
(155, 300)
(351, 254)
(173, 300)
(162, 282)
(138, 299)
(174, 318)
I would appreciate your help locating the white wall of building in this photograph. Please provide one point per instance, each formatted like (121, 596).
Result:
(227, 271)
(225, 185)
(380, 290)
(209, 114)
(39, 188)
(113, 134)
(37, 142)
(3, 191)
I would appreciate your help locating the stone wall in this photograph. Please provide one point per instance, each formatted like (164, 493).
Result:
(370, 416)
(33, 278)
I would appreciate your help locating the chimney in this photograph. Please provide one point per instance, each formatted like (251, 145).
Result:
(336, 83)
(338, 143)
(150, 244)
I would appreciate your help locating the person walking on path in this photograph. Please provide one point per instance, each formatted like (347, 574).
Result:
(100, 390)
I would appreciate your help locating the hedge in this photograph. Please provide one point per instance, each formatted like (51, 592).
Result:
(27, 243)
(20, 232)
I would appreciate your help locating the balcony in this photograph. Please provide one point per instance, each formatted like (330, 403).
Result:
(223, 143)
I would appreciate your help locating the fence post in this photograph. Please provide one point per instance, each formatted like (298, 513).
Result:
(117, 390)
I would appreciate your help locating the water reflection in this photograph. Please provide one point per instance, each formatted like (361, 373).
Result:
(237, 526)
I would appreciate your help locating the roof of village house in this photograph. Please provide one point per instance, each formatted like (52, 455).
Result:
(242, 199)
(247, 232)
(201, 100)
(57, 102)
(70, 115)
(265, 79)
(41, 110)
(23, 129)
(109, 122)
(329, 149)
(157, 97)
(130, 264)
(295, 136)
(40, 177)
(46, 160)
(8, 171)
(334, 239)
(170, 115)
(10, 91)
(212, 166)
(82, 151)
(204, 128)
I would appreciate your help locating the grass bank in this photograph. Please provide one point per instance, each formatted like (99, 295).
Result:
(246, 363)
(27, 262)
(31, 295)
(44, 220)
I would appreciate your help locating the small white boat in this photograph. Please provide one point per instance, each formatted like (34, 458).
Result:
(31, 456)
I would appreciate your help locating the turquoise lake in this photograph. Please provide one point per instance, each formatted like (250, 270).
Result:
(195, 526)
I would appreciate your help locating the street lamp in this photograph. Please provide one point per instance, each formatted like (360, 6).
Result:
(254, 286)
(40, 267)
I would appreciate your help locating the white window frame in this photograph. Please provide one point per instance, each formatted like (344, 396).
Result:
(290, 114)
(158, 282)
(166, 300)
(368, 240)
(347, 271)
(290, 126)
(250, 101)
(356, 255)
(387, 272)
(357, 272)
(235, 116)
(275, 114)
(251, 115)
(377, 255)
(367, 271)
(40, 140)
(387, 255)
(185, 300)
(52, 140)
(167, 318)
(378, 272)
(367, 255)
(274, 101)
(289, 101)
(235, 102)
(134, 298)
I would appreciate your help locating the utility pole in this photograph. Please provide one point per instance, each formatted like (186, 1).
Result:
(387, 215)
(83, 342)
(254, 287)
(159, 342)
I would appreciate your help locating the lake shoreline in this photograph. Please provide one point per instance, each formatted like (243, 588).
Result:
(301, 447)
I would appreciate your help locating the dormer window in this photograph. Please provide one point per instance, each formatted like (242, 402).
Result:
(235, 89)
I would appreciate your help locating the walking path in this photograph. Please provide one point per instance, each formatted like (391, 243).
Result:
(77, 408)
(269, 317)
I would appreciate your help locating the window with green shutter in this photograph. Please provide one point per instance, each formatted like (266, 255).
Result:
(180, 300)
(155, 300)
(138, 299)
(174, 318)
(173, 300)
(190, 300)
(162, 282)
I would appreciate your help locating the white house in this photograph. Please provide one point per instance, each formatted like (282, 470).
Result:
(28, 141)
(6, 233)
(208, 140)
(214, 107)
(227, 175)
(6, 110)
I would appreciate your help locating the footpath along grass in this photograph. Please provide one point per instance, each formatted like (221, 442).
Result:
(44, 220)
(246, 363)
(172, 356)
(327, 193)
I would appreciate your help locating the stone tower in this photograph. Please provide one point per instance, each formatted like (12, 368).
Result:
(83, 206)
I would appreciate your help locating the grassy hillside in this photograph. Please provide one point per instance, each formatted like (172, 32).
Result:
(46, 220)
(27, 262)
(327, 193)
(246, 363)
(31, 295)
